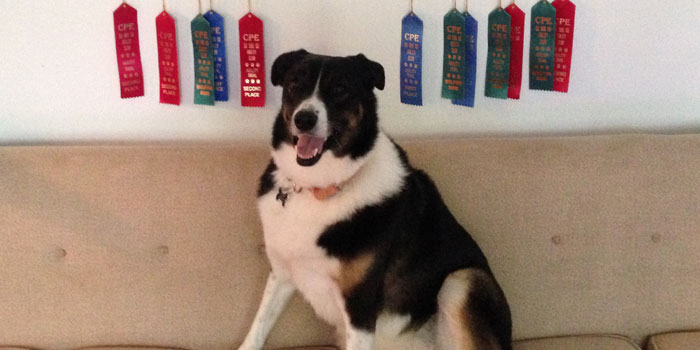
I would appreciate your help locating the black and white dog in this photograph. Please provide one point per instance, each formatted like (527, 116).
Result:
(365, 237)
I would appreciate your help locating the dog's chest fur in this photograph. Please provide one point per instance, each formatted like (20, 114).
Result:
(292, 230)
(291, 235)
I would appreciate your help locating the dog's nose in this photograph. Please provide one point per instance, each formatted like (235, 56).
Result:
(305, 120)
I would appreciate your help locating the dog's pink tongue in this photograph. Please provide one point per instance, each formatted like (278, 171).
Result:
(308, 146)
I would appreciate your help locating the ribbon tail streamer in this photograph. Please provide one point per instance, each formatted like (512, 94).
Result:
(126, 35)
(517, 27)
(168, 59)
(471, 29)
(498, 59)
(411, 60)
(203, 61)
(218, 43)
(566, 13)
(543, 28)
(453, 56)
(252, 48)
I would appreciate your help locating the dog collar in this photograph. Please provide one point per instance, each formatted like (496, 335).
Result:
(320, 193)
(326, 192)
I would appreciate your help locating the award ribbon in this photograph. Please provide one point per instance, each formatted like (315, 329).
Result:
(542, 29)
(566, 12)
(517, 30)
(498, 59)
(126, 35)
(453, 56)
(203, 61)
(168, 59)
(218, 44)
(471, 29)
(411, 60)
(251, 43)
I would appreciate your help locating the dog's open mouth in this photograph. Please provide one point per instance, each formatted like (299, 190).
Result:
(309, 149)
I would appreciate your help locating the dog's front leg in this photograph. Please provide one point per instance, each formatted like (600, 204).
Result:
(277, 294)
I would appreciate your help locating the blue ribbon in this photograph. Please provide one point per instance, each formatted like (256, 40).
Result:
(471, 29)
(219, 47)
(411, 60)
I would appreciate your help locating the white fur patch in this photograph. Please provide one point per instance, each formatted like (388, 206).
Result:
(390, 334)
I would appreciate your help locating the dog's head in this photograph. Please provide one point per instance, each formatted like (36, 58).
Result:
(328, 107)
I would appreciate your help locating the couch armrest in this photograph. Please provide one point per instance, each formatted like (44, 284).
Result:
(686, 340)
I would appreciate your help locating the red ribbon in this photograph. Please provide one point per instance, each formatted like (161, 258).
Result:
(126, 35)
(517, 33)
(566, 11)
(167, 59)
(251, 43)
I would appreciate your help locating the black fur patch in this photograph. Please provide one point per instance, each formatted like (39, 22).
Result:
(267, 181)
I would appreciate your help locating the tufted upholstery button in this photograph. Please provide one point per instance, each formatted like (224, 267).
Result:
(656, 237)
(164, 249)
(59, 253)
(556, 240)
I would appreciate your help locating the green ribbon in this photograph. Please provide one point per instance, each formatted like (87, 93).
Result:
(203, 61)
(498, 59)
(453, 67)
(542, 31)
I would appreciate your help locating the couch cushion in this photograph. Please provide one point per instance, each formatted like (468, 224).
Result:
(577, 342)
(688, 340)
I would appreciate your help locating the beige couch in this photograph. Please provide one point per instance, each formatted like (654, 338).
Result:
(160, 245)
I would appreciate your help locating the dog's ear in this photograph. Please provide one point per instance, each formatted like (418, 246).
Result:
(372, 72)
(283, 63)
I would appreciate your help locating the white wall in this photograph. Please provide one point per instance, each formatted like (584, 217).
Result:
(635, 68)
